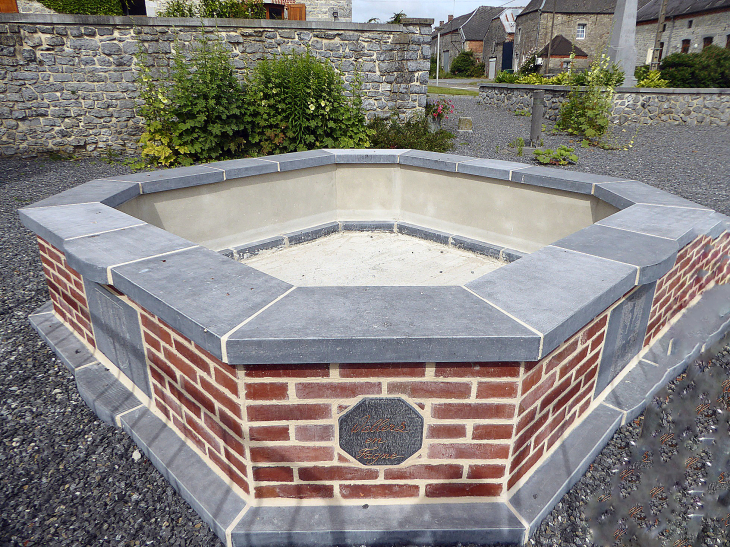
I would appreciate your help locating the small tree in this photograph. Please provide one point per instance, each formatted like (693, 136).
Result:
(463, 64)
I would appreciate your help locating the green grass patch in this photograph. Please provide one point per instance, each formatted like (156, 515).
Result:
(451, 91)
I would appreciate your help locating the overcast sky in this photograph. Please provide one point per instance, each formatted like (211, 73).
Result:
(438, 10)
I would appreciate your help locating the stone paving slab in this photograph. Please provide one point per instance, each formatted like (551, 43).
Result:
(207, 493)
(198, 292)
(92, 256)
(565, 291)
(107, 191)
(349, 324)
(678, 224)
(653, 256)
(378, 525)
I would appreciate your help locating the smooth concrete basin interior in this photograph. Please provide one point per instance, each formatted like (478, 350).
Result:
(243, 210)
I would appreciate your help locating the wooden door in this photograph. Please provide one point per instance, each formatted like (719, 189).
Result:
(297, 12)
(8, 6)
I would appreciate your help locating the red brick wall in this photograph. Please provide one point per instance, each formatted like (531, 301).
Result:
(698, 265)
(554, 392)
(67, 291)
(292, 413)
(199, 394)
(272, 428)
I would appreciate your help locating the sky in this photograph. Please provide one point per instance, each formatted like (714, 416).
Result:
(438, 10)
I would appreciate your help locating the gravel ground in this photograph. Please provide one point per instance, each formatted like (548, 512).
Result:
(68, 479)
(693, 162)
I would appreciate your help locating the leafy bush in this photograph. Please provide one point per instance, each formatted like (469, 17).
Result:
(652, 79)
(463, 64)
(299, 103)
(641, 72)
(196, 112)
(532, 79)
(414, 133)
(708, 68)
(562, 155)
(233, 9)
(479, 70)
(85, 7)
(587, 109)
(504, 77)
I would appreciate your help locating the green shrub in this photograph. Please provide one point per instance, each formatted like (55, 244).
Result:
(196, 111)
(463, 64)
(414, 133)
(641, 72)
(432, 67)
(708, 68)
(298, 102)
(562, 155)
(224, 9)
(479, 70)
(85, 7)
(587, 109)
(653, 79)
(504, 77)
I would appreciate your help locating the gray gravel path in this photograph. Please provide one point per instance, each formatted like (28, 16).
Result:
(68, 479)
(693, 162)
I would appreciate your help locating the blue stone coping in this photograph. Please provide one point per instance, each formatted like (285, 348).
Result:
(513, 521)
(574, 279)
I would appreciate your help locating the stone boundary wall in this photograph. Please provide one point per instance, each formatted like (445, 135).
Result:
(709, 106)
(68, 82)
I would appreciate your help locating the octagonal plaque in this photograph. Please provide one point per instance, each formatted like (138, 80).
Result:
(381, 431)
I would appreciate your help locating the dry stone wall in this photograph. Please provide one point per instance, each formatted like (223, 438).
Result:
(68, 83)
(630, 105)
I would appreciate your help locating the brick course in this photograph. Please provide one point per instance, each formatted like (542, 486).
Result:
(67, 292)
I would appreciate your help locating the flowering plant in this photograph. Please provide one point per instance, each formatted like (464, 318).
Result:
(440, 109)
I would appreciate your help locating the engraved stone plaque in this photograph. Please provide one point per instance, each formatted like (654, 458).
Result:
(381, 431)
(624, 334)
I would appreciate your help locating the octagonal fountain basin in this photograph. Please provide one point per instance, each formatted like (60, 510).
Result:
(375, 346)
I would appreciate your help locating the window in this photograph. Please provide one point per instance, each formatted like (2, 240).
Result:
(661, 51)
(689, 23)
(566, 64)
(664, 27)
(706, 41)
(580, 34)
(685, 46)
(494, 47)
(519, 33)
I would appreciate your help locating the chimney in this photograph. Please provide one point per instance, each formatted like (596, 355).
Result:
(451, 17)
(441, 23)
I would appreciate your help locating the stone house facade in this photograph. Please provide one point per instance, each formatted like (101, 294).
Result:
(689, 26)
(463, 33)
(498, 42)
(585, 23)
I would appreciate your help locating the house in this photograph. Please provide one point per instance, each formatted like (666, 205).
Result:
(498, 41)
(564, 54)
(463, 33)
(586, 23)
(689, 26)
